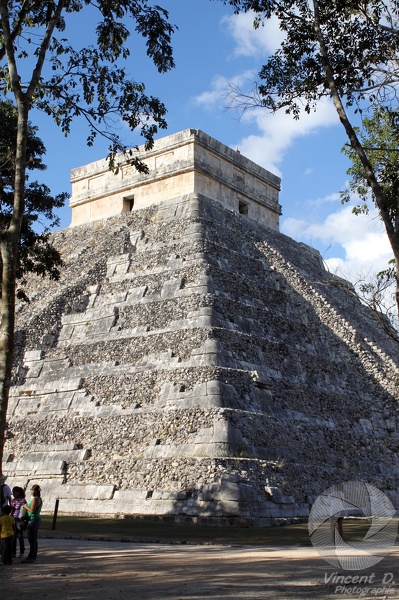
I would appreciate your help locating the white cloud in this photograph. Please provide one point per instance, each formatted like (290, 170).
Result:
(279, 131)
(220, 89)
(364, 243)
(334, 197)
(253, 42)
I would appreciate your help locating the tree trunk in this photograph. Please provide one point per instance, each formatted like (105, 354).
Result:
(8, 254)
(10, 237)
(9, 248)
(390, 227)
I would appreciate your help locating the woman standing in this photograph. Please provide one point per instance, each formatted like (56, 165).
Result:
(33, 507)
(17, 503)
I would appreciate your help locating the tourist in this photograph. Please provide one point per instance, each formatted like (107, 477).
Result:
(5, 493)
(7, 533)
(33, 508)
(17, 503)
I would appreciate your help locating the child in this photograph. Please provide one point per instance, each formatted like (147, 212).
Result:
(7, 532)
(16, 503)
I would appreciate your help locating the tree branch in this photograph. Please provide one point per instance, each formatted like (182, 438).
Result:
(26, 5)
(43, 50)
(355, 143)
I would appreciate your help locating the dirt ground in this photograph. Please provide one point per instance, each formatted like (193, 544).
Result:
(73, 570)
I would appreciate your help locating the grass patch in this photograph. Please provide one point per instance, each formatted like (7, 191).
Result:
(151, 530)
(157, 531)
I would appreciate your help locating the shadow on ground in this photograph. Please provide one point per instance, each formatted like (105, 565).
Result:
(73, 570)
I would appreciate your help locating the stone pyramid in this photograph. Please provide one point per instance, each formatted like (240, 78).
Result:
(193, 362)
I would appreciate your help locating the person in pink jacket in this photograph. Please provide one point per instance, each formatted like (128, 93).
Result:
(17, 503)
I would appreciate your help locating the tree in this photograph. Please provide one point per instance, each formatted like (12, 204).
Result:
(67, 83)
(346, 50)
(36, 253)
(375, 290)
(380, 139)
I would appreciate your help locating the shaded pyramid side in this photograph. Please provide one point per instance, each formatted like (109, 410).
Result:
(319, 385)
(190, 362)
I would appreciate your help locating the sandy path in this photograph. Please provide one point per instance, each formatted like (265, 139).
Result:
(77, 570)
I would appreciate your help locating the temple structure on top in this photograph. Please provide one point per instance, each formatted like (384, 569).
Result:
(188, 162)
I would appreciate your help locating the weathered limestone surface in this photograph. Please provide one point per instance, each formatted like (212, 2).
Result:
(193, 363)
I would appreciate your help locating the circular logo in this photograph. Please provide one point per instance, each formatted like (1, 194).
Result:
(352, 498)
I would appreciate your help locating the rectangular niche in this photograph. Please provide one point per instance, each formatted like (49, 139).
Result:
(243, 208)
(128, 204)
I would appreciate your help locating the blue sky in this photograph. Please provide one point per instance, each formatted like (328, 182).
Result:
(212, 48)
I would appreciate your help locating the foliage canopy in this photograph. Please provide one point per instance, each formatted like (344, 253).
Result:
(357, 40)
(36, 254)
(93, 81)
(380, 139)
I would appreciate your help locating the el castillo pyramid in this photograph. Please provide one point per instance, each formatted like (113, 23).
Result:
(193, 362)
